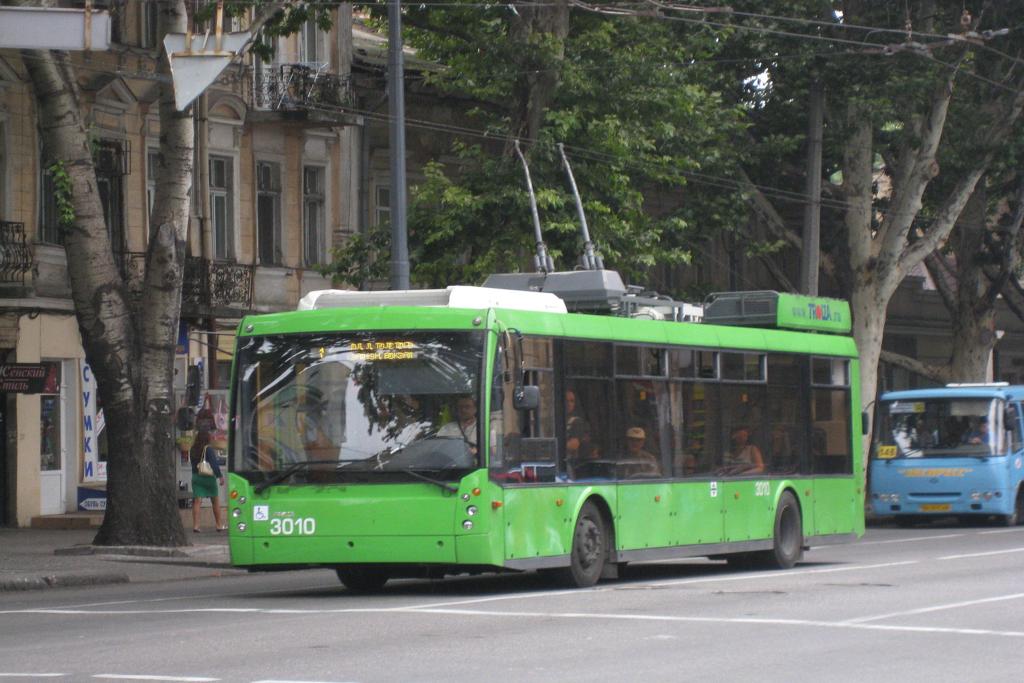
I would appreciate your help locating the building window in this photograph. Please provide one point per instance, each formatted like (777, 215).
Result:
(268, 212)
(312, 48)
(49, 220)
(3, 170)
(382, 205)
(222, 207)
(150, 32)
(313, 215)
(49, 433)
(110, 159)
(152, 164)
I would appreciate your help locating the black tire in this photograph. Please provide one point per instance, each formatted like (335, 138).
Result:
(788, 539)
(1015, 517)
(589, 548)
(362, 579)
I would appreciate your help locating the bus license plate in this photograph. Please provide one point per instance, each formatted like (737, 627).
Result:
(935, 507)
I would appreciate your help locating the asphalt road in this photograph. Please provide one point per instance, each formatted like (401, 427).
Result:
(936, 603)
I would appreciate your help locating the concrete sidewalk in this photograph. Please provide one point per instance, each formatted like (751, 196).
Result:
(50, 558)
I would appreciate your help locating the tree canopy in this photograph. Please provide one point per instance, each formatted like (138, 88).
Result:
(629, 97)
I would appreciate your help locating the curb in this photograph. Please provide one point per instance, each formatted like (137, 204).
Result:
(27, 582)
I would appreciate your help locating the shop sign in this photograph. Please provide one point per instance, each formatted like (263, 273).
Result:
(30, 378)
(94, 469)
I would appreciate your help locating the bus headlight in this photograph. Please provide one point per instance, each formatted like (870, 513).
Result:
(236, 513)
(242, 526)
(467, 525)
(471, 510)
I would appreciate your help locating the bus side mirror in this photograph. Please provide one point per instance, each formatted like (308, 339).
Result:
(864, 426)
(526, 398)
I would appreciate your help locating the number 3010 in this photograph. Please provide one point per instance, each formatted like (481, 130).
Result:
(302, 526)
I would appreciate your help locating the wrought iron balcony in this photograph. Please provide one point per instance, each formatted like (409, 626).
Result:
(216, 285)
(298, 88)
(15, 254)
(207, 286)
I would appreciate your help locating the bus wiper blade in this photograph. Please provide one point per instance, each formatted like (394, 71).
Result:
(289, 471)
(431, 480)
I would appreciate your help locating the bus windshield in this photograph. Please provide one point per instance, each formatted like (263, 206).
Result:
(358, 406)
(940, 427)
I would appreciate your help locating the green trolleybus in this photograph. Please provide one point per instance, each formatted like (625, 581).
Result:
(475, 429)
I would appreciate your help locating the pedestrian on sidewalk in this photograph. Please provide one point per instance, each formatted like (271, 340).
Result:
(205, 485)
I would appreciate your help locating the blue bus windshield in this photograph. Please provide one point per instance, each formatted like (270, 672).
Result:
(940, 427)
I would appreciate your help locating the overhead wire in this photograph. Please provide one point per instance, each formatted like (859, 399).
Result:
(695, 176)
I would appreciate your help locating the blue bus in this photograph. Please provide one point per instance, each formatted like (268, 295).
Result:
(953, 450)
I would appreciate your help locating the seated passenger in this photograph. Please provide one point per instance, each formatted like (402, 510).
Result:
(743, 457)
(641, 461)
(977, 434)
(577, 430)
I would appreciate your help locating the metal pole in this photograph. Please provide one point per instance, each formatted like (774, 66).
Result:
(541, 261)
(591, 259)
(396, 109)
(811, 256)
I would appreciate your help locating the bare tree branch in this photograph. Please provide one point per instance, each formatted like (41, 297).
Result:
(934, 372)
(943, 277)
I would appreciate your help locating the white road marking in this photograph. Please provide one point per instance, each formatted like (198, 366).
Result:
(937, 608)
(902, 540)
(739, 576)
(142, 677)
(726, 620)
(986, 554)
(288, 680)
(8, 674)
(1011, 530)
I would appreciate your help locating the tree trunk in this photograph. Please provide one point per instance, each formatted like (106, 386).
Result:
(974, 314)
(133, 364)
(151, 515)
(540, 79)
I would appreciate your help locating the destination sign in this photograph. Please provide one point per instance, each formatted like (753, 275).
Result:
(383, 349)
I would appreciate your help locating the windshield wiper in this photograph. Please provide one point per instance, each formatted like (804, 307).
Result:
(289, 471)
(431, 480)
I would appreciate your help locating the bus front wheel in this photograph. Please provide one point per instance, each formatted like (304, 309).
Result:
(1017, 516)
(589, 548)
(788, 546)
(361, 579)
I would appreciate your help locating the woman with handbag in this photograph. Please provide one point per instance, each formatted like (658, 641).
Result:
(206, 478)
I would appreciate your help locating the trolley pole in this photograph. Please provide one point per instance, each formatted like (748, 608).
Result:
(396, 108)
(810, 258)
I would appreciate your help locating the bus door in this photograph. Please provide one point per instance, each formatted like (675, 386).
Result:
(1012, 417)
(836, 501)
(695, 413)
(536, 504)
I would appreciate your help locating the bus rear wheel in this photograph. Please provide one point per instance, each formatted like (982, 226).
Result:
(361, 579)
(788, 541)
(589, 548)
